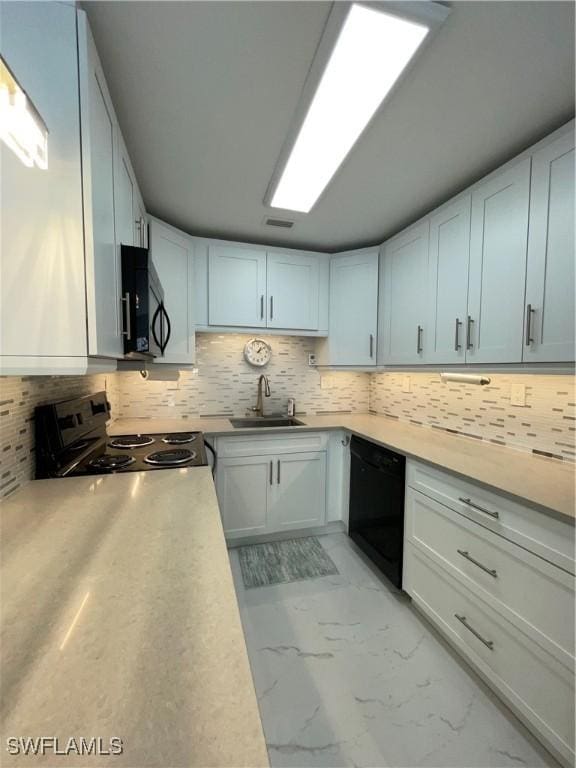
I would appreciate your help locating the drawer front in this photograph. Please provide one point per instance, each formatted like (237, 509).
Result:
(264, 445)
(531, 588)
(539, 688)
(541, 533)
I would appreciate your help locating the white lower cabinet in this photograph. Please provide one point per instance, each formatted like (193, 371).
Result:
(508, 608)
(273, 491)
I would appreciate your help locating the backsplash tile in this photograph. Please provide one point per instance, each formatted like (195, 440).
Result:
(546, 424)
(224, 384)
(18, 398)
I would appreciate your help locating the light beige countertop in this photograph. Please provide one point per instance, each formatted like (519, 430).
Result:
(545, 483)
(119, 619)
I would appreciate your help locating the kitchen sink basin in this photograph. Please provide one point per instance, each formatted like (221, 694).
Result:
(264, 422)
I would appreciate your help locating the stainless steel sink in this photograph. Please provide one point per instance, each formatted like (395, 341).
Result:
(265, 421)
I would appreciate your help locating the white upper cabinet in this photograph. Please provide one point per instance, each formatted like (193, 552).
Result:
(498, 243)
(448, 282)
(402, 333)
(353, 323)
(98, 175)
(248, 287)
(292, 291)
(172, 253)
(42, 298)
(550, 310)
(125, 198)
(236, 286)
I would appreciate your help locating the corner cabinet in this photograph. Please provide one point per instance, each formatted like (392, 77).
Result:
(42, 299)
(172, 253)
(271, 483)
(402, 336)
(549, 313)
(353, 323)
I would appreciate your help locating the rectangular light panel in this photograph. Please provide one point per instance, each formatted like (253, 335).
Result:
(372, 50)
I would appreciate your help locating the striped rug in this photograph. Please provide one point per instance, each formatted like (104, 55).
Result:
(280, 562)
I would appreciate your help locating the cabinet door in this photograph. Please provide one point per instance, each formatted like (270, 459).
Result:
(236, 286)
(298, 496)
(448, 282)
(550, 309)
(172, 253)
(243, 487)
(140, 220)
(98, 158)
(403, 293)
(42, 295)
(125, 199)
(353, 308)
(293, 291)
(498, 241)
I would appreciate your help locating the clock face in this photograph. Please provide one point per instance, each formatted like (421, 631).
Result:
(257, 352)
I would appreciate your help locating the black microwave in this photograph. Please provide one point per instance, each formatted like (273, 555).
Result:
(146, 324)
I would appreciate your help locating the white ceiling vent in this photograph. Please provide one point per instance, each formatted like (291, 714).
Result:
(275, 222)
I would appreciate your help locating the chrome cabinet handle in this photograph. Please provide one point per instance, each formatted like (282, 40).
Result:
(128, 331)
(371, 345)
(470, 503)
(278, 473)
(468, 556)
(271, 471)
(469, 322)
(262, 307)
(457, 344)
(418, 340)
(463, 620)
(529, 312)
(271, 307)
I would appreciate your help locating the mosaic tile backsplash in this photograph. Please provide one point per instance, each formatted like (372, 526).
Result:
(18, 398)
(224, 384)
(545, 424)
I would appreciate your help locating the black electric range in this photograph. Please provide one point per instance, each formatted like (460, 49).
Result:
(71, 441)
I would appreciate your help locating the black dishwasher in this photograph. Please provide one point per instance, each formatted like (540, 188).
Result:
(376, 521)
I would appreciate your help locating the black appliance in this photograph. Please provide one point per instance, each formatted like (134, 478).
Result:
(146, 321)
(376, 521)
(71, 441)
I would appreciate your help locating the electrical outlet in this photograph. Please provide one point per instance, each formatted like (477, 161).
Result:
(518, 394)
(311, 359)
(406, 384)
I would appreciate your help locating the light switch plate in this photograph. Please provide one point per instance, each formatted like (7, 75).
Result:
(518, 394)
(406, 384)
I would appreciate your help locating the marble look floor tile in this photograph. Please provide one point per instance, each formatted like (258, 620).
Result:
(348, 674)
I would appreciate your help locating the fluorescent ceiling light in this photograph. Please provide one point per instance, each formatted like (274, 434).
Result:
(21, 127)
(372, 50)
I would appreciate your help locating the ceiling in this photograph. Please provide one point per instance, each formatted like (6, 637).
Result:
(205, 93)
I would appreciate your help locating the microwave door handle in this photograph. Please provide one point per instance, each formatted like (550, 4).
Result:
(169, 329)
(153, 326)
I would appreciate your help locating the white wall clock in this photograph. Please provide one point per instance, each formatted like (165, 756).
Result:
(257, 352)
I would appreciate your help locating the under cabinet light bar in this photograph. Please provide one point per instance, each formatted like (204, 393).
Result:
(372, 49)
(21, 127)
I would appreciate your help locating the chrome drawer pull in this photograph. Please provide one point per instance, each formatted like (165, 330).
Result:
(463, 620)
(470, 503)
(467, 556)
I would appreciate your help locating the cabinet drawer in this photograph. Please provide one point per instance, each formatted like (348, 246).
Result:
(531, 588)
(536, 684)
(538, 532)
(263, 445)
